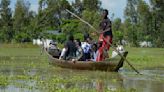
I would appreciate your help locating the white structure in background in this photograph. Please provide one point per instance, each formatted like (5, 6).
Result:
(120, 49)
(37, 42)
(145, 44)
(42, 42)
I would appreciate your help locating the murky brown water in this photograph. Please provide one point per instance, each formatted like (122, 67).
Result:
(150, 81)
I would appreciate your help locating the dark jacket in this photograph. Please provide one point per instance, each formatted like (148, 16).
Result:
(105, 24)
(71, 50)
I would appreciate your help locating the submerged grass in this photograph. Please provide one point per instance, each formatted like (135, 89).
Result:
(22, 66)
(142, 58)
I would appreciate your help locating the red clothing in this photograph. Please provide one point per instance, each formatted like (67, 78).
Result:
(105, 38)
(105, 46)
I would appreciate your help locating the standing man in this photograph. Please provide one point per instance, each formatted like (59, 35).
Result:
(105, 36)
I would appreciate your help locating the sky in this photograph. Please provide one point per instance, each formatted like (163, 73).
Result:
(115, 7)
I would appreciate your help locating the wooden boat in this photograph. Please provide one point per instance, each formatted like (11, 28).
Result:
(113, 64)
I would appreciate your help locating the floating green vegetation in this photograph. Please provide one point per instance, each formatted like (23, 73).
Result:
(4, 80)
(23, 67)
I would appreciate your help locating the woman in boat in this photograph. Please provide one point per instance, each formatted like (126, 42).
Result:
(105, 36)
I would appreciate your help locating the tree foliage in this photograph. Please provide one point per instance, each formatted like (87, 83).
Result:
(117, 30)
(21, 23)
(142, 22)
(5, 21)
(146, 21)
(91, 5)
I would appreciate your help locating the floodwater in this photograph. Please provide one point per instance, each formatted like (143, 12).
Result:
(150, 81)
(20, 76)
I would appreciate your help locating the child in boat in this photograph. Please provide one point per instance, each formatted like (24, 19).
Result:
(86, 46)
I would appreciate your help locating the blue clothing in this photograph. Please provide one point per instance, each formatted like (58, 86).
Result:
(86, 47)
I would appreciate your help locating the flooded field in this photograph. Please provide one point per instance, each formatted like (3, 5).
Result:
(26, 70)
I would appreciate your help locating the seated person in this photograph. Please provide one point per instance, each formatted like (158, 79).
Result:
(94, 53)
(53, 45)
(70, 49)
(86, 46)
(62, 55)
(79, 51)
(54, 50)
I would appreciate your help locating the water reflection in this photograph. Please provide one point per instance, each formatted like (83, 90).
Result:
(143, 85)
(100, 86)
(150, 81)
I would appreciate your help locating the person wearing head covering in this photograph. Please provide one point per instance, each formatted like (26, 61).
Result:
(105, 37)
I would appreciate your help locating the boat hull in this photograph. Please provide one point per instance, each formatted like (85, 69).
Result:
(112, 65)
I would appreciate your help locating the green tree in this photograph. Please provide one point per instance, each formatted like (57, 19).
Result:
(93, 18)
(132, 15)
(41, 14)
(131, 11)
(32, 29)
(117, 30)
(61, 38)
(157, 21)
(51, 13)
(127, 27)
(161, 36)
(21, 21)
(78, 7)
(70, 27)
(91, 5)
(144, 21)
(6, 31)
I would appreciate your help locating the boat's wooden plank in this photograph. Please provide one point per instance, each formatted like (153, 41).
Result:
(90, 65)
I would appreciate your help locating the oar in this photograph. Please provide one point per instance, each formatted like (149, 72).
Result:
(106, 41)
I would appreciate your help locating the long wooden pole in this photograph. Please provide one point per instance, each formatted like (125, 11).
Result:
(106, 41)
